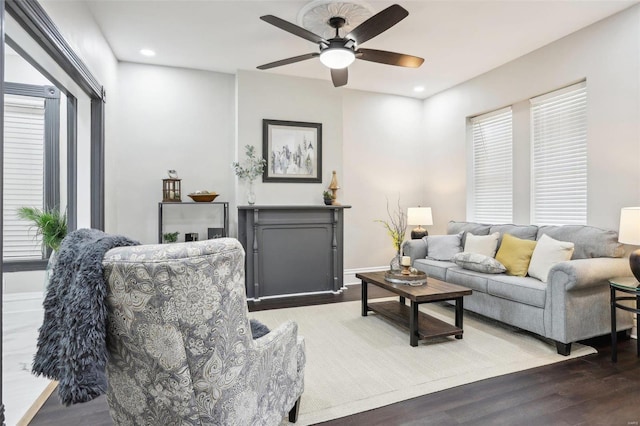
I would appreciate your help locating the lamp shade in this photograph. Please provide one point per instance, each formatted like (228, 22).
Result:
(629, 226)
(337, 57)
(419, 216)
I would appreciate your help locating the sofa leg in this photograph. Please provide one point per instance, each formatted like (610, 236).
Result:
(293, 413)
(563, 348)
(624, 335)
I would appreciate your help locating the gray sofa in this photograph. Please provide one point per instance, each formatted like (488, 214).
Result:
(572, 305)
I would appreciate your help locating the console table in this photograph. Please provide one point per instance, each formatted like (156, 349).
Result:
(292, 249)
(224, 205)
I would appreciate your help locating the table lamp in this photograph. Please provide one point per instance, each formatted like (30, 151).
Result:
(419, 216)
(630, 234)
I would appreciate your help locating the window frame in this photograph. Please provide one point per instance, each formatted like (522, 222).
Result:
(472, 211)
(51, 96)
(538, 100)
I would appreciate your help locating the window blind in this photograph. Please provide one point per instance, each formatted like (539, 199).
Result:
(492, 167)
(23, 174)
(559, 157)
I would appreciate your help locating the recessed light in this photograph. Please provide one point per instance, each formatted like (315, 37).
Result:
(418, 89)
(147, 52)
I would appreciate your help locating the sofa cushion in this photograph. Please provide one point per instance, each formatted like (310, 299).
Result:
(589, 241)
(479, 263)
(433, 268)
(525, 232)
(443, 247)
(547, 253)
(515, 254)
(486, 245)
(529, 291)
(476, 281)
(454, 227)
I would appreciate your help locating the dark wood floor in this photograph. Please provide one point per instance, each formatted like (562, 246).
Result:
(585, 391)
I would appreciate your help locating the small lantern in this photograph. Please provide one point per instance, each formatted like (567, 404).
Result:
(171, 190)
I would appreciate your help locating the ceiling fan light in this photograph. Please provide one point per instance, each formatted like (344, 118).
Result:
(337, 58)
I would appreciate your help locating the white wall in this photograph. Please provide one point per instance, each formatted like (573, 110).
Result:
(169, 118)
(263, 95)
(383, 160)
(372, 141)
(607, 54)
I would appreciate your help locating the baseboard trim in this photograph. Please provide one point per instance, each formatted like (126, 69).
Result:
(280, 296)
(348, 278)
(350, 274)
(37, 404)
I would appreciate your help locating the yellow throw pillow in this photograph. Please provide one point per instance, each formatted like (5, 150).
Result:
(515, 254)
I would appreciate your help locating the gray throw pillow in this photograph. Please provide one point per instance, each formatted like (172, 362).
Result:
(258, 329)
(443, 247)
(479, 263)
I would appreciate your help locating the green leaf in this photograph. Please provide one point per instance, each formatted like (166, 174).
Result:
(49, 223)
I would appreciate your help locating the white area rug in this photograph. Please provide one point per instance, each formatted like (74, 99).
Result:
(357, 363)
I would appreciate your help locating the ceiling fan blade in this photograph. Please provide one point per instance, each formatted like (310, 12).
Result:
(288, 61)
(339, 76)
(389, 58)
(293, 29)
(378, 23)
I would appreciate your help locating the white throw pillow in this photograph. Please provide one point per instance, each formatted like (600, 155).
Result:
(547, 253)
(482, 244)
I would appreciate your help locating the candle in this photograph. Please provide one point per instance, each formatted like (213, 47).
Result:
(406, 261)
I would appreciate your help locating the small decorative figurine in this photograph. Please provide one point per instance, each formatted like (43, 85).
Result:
(333, 186)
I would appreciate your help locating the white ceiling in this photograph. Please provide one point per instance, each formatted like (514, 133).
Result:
(458, 39)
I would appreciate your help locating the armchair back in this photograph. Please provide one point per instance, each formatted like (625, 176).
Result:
(180, 343)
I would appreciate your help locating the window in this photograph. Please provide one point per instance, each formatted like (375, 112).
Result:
(559, 157)
(31, 117)
(492, 139)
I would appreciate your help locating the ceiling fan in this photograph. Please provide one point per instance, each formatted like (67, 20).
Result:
(339, 52)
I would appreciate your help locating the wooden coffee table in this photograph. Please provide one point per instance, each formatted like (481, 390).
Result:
(421, 325)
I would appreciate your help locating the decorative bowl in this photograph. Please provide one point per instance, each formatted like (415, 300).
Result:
(415, 279)
(203, 198)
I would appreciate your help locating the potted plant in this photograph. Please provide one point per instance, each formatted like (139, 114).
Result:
(51, 224)
(328, 198)
(170, 237)
(250, 171)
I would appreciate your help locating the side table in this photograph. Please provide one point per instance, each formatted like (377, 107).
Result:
(627, 285)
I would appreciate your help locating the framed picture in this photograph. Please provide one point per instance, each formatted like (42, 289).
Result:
(293, 151)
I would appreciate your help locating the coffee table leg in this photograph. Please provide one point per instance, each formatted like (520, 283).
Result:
(402, 300)
(365, 307)
(413, 324)
(459, 310)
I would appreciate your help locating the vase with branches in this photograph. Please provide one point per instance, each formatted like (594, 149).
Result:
(396, 228)
(250, 170)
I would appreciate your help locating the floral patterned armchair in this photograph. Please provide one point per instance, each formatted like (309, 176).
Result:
(180, 345)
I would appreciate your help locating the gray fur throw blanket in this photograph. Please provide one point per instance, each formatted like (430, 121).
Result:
(72, 339)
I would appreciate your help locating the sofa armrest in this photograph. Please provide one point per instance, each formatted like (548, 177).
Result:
(577, 305)
(416, 249)
(585, 273)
